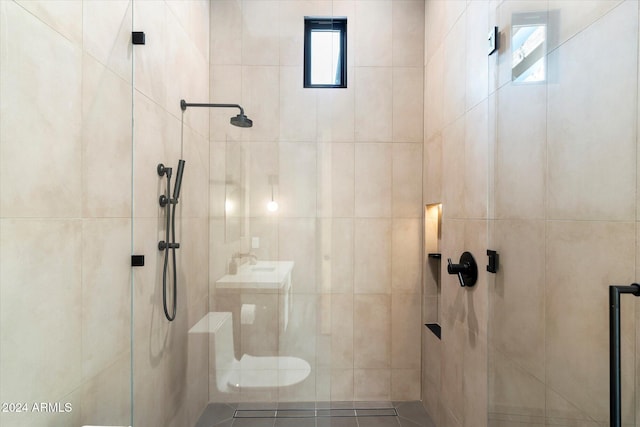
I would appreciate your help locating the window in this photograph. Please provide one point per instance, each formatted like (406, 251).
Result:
(325, 52)
(529, 47)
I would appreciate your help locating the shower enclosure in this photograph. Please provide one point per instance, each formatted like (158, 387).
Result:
(324, 188)
(532, 150)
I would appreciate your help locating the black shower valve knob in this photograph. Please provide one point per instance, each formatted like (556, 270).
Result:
(466, 269)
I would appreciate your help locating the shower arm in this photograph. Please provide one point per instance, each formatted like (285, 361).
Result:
(184, 104)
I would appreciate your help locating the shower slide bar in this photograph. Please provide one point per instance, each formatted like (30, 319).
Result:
(615, 389)
(169, 245)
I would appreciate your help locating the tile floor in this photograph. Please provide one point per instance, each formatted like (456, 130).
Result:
(316, 414)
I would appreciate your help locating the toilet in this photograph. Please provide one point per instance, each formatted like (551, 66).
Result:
(250, 373)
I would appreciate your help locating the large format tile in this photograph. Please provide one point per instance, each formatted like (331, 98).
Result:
(521, 152)
(342, 323)
(297, 243)
(589, 257)
(477, 17)
(432, 170)
(154, 142)
(591, 159)
(149, 64)
(373, 34)
(454, 80)
(453, 176)
(453, 365)
(260, 42)
(476, 162)
(106, 293)
(372, 384)
(513, 391)
(434, 95)
(336, 255)
(405, 339)
(405, 256)
(516, 320)
(193, 200)
(474, 381)
(225, 88)
(372, 256)
(297, 180)
(106, 33)
(193, 265)
(434, 28)
(569, 17)
(407, 180)
(336, 180)
(373, 109)
(192, 86)
(106, 144)
(106, 396)
(64, 16)
(263, 175)
(408, 104)
(41, 127)
(193, 16)
(373, 180)
(41, 309)
(372, 336)
(226, 32)
(336, 113)
(261, 101)
(408, 33)
(298, 106)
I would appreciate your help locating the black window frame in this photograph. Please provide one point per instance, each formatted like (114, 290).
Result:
(325, 23)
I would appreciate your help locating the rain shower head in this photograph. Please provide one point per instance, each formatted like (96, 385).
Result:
(240, 120)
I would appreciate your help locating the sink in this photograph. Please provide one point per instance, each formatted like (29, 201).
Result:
(263, 269)
(266, 284)
(265, 275)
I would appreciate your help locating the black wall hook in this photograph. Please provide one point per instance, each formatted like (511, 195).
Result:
(467, 270)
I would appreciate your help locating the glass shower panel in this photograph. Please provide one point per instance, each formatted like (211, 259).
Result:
(321, 289)
(254, 278)
(65, 207)
(562, 211)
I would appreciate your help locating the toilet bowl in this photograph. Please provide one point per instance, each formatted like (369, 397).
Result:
(250, 373)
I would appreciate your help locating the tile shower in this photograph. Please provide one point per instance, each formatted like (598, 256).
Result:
(546, 174)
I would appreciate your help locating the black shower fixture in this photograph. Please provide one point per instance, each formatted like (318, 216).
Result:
(467, 269)
(169, 244)
(241, 120)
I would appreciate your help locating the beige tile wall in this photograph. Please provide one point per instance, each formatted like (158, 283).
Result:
(65, 212)
(549, 181)
(65, 236)
(350, 185)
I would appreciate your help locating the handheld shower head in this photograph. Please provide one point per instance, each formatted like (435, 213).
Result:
(176, 189)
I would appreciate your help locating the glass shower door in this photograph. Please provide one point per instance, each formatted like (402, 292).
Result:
(563, 210)
(65, 206)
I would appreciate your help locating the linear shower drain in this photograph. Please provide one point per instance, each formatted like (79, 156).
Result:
(313, 413)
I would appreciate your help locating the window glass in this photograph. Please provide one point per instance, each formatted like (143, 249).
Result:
(325, 52)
